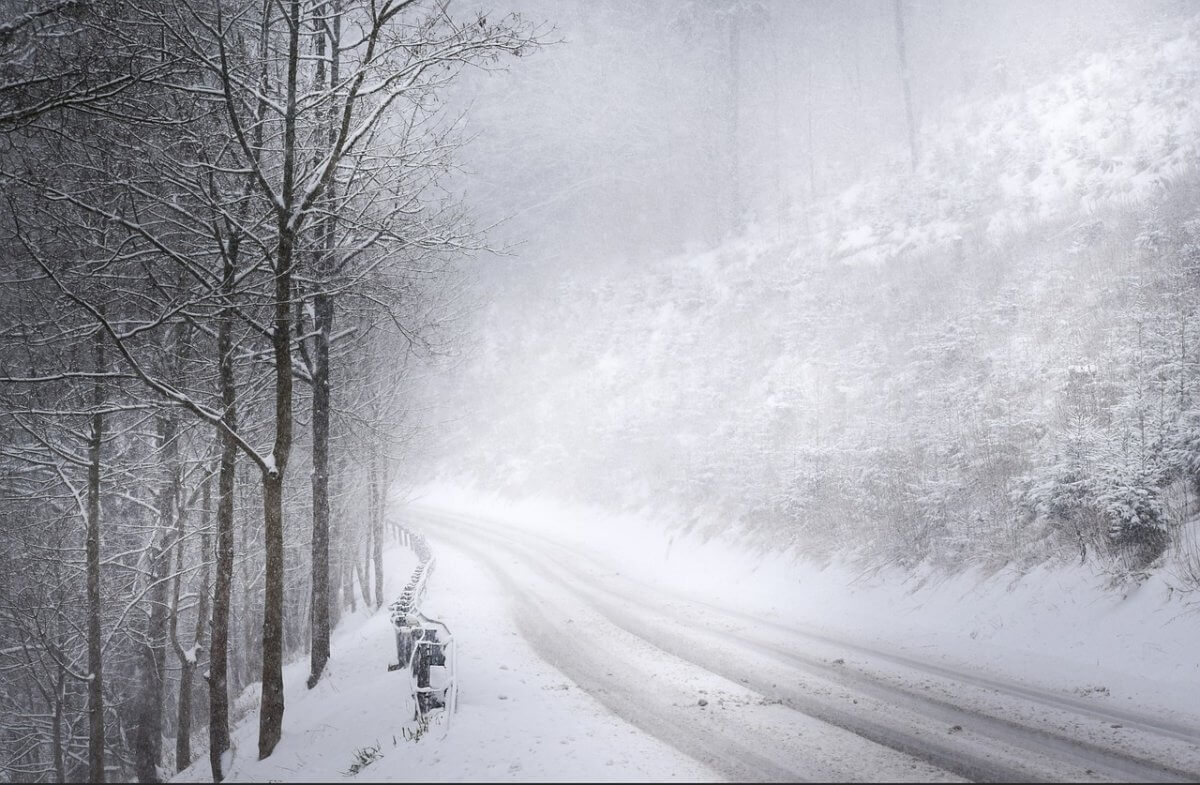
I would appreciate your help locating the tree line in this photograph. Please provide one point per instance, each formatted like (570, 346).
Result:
(225, 236)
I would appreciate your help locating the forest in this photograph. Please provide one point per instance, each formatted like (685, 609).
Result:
(975, 344)
(908, 284)
(223, 234)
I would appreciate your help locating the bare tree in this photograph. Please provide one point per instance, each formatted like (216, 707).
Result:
(906, 83)
(219, 203)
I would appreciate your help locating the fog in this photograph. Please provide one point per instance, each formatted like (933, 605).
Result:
(747, 389)
(734, 288)
(647, 128)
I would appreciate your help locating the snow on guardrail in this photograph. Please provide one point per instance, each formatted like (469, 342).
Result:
(410, 598)
(424, 645)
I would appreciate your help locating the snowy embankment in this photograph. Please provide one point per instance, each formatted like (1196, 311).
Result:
(1098, 135)
(1056, 627)
(939, 365)
(518, 718)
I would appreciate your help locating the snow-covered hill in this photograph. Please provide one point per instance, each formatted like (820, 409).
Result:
(1114, 132)
(985, 360)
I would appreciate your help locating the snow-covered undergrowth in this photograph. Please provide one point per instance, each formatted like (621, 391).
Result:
(1116, 130)
(1055, 626)
(988, 361)
(355, 683)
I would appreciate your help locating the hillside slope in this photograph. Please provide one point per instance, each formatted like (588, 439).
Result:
(992, 358)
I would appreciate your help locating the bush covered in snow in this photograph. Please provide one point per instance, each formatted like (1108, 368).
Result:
(992, 358)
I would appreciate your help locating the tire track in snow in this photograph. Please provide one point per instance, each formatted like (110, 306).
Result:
(988, 747)
(759, 740)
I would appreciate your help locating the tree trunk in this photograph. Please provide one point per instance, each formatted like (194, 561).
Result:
(149, 731)
(270, 725)
(377, 525)
(320, 492)
(339, 574)
(60, 770)
(733, 88)
(183, 724)
(323, 308)
(218, 664)
(347, 563)
(905, 80)
(270, 717)
(95, 666)
(363, 568)
(189, 660)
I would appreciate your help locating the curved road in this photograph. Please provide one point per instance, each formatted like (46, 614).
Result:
(759, 700)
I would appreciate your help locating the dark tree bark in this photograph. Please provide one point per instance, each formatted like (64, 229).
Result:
(60, 770)
(218, 666)
(148, 733)
(376, 492)
(95, 644)
(340, 577)
(188, 660)
(323, 308)
(270, 718)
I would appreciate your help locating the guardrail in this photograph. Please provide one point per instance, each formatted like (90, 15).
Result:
(414, 590)
(424, 645)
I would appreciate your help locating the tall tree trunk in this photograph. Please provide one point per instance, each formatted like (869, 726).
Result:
(95, 666)
(60, 770)
(270, 717)
(323, 308)
(347, 560)
(218, 664)
(377, 524)
(183, 723)
(270, 720)
(363, 568)
(340, 576)
(149, 730)
(188, 659)
(906, 81)
(733, 96)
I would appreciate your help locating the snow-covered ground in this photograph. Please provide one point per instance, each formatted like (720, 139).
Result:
(760, 693)
(519, 719)
(601, 648)
(1056, 627)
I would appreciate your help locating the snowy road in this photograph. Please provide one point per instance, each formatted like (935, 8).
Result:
(755, 699)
